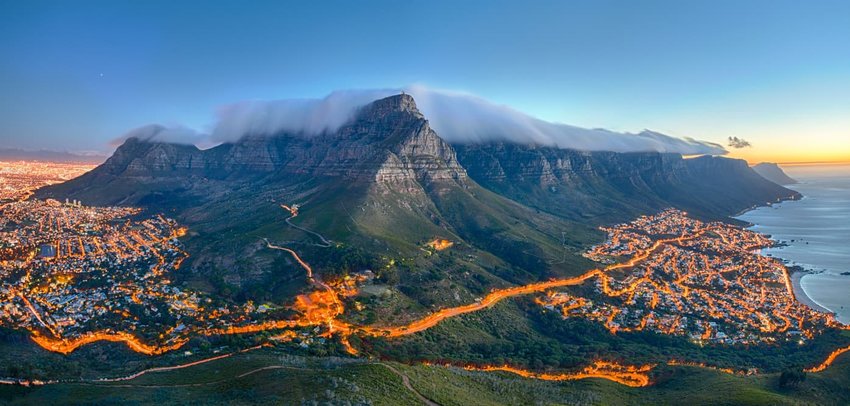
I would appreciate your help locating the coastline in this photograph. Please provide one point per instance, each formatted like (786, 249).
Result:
(800, 293)
(795, 274)
(797, 261)
(793, 198)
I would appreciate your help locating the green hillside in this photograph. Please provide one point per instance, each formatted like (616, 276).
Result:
(269, 376)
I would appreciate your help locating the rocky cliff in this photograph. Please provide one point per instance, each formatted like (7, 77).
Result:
(388, 140)
(609, 185)
(773, 173)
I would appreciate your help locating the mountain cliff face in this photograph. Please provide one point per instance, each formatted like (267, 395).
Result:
(773, 173)
(613, 186)
(389, 140)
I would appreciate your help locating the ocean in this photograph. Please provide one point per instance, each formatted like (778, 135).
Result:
(816, 230)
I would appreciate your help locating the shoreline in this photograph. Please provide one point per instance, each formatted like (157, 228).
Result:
(799, 197)
(800, 293)
(794, 273)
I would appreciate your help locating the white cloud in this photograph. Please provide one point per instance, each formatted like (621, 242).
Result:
(456, 117)
(159, 133)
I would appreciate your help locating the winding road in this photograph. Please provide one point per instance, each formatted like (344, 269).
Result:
(293, 211)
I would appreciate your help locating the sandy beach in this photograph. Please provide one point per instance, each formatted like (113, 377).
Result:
(800, 294)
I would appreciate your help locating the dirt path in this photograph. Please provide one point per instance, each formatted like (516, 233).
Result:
(108, 382)
(325, 242)
(186, 385)
(293, 211)
(406, 381)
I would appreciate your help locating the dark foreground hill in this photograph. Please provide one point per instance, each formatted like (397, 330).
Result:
(272, 377)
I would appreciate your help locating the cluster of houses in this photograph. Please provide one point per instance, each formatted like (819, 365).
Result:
(706, 281)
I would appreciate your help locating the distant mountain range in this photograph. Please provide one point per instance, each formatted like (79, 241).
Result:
(385, 183)
(51, 156)
(773, 173)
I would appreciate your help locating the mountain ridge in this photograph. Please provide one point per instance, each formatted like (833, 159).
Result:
(390, 139)
(774, 173)
(386, 183)
(551, 178)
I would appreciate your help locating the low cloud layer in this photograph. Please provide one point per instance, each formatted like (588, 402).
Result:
(456, 117)
(738, 143)
(160, 133)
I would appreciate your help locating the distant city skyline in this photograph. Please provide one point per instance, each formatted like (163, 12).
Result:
(773, 73)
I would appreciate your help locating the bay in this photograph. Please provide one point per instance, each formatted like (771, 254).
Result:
(816, 230)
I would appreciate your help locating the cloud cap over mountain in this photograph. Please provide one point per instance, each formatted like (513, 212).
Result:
(457, 117)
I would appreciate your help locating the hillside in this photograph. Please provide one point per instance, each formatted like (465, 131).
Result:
(275, 377)
(773, 173)
(605, 187)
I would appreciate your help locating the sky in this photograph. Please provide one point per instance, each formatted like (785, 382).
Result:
(76, 75)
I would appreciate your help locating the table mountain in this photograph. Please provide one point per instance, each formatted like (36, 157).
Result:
(384, 185)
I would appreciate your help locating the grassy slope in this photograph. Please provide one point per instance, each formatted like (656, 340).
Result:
(688, 386)
(498, 242)
(520, 333)
(271, 377)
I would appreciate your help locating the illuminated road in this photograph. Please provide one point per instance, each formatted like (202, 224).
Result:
(66, 345)
(498, 295)
(674, 362)
(318, 309)
(829, 360)
(36, 315)
(633, 376)
(488, 301)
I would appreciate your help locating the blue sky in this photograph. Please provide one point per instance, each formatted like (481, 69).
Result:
(75, 75)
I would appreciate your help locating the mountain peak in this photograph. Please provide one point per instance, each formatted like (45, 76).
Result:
(400, 103)
(773, 173)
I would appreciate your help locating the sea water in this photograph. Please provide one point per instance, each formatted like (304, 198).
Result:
(816, 230)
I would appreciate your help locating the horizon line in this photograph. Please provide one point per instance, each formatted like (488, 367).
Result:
(802, 163)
